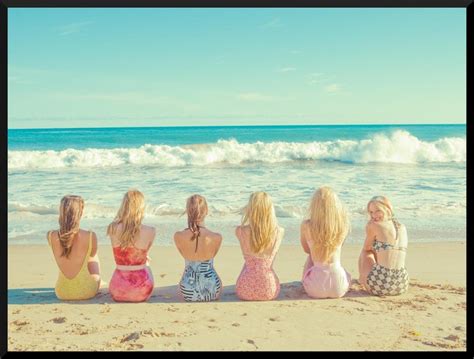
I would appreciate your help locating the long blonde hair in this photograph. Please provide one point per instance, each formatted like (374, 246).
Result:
(196, 209)
(328, 223)
(259, 214)
(130, 215)
(70, 213)
(383, 203)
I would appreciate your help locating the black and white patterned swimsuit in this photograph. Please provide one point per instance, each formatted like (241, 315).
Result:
(387, 281)
(200, 282)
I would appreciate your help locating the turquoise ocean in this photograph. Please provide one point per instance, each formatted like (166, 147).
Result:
(421, 168)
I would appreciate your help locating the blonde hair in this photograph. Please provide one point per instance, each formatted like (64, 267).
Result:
(196, 209)
(260, 215)
(328, 223)
(70, 213)
(130, 215)
(383, 203)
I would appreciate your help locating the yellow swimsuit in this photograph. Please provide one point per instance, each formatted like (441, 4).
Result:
(82, 286)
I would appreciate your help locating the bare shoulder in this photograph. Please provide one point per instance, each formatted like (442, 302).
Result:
(372, 226)
(84, 235)
(149, 230)
(242, 231)
(53, 234)
(114, 229)
(304, 224)
(245, 228)
(216, 236)
(179, 234)
(237, 230)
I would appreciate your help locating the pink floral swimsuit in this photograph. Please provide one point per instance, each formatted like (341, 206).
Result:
(132, 280)
(258, 280)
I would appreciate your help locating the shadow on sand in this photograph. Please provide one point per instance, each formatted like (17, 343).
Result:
(169, 294)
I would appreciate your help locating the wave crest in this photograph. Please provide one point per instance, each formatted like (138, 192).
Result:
(398, 147)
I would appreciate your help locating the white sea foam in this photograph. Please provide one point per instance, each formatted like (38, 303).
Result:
(398, 147)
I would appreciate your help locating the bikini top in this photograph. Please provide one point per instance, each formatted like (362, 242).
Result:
(379, 246)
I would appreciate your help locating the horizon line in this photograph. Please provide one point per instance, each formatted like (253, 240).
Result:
(219, 126)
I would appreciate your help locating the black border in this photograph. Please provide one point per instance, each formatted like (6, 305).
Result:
(237, 3)
(469, 199)
(5, 4)
(4, 191)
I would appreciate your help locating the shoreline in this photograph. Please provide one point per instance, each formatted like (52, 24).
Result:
(431, 315)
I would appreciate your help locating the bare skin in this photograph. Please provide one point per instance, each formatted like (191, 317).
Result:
(71, 266)
(208, 244)
(243, 235)
(382, 230)
(144, 240)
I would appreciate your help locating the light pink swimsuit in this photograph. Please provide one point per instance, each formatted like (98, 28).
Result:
(258, 280)
(326, 280)
(132, 280)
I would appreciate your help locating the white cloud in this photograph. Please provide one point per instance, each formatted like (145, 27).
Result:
(220, 60)
(286, 69)
(73, 28)
(315, 78)
(254, 97)
(273, 23)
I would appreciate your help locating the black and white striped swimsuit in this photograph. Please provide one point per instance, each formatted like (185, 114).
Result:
(200, 282)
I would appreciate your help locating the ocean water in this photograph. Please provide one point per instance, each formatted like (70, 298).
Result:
(421, 168)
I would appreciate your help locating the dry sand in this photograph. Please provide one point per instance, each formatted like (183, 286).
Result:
(430, 316)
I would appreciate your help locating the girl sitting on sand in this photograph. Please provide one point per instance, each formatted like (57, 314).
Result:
(382, 260)
(132, 280)
(260, 238)
(322, 236)
(75, 252)
(198, 246)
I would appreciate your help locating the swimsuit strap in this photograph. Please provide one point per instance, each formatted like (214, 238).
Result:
(89, 250)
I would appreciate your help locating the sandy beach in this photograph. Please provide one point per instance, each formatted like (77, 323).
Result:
(430, 316)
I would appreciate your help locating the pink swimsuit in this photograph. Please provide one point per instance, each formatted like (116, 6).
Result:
(326, 280)
(258, 280)
(132, 280)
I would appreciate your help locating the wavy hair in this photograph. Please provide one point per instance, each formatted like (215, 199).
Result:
(130, 215)
(259, 214)
(328, 223)
(70, 213)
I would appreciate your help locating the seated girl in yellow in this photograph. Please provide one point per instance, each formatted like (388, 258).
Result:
(75, 252)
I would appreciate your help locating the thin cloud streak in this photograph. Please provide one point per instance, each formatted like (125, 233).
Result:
(274, 23)
(286, 69)
(254, 97)
(73, 28)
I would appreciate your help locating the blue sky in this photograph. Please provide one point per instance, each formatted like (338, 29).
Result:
(163, 67)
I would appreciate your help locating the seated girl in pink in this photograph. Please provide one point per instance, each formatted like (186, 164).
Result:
(322, 237)
(132, 280)
(260, 238)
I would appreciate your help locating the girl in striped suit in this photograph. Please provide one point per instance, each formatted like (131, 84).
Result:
(198, 245)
